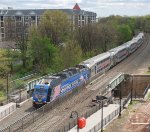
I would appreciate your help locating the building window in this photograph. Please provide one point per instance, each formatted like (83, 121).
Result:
(2, 30)
(18, 18)
(26, 18)
(2, 18)
(2, 24)
(33, 18)
(79, 17)
(82, 17)
(2, 35)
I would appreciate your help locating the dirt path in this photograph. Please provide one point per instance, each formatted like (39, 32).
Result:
(134, 119)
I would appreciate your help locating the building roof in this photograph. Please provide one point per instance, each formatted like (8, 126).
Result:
(39, 12)
(76, 7)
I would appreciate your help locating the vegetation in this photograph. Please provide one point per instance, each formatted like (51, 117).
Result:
(54, 46)
(2, 96)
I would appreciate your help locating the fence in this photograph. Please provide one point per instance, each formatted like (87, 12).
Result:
(32, 117)
(105, 121)
(17, 97)
(29, 86)
(87, 114)
(25, 77)
(146, 89)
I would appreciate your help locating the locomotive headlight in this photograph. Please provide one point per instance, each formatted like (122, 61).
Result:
(43, 96)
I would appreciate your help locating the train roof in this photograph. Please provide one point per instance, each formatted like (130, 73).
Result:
(48, 79)
(141, 34)
(90, 62)
(117, 49)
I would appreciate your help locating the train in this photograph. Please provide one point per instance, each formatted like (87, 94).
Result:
(53, 86)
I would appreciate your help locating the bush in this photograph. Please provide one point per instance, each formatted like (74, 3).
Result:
(2, 94)
(149, 68)
(18, 84)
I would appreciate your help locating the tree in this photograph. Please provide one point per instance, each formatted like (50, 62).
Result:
(22, 43)
(125, 33)
(55, 25)
(41, 52)
(19, 35)
(107, 36)
(70, 54)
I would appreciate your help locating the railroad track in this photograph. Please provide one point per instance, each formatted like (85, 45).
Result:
(56, 117)
(81, 101)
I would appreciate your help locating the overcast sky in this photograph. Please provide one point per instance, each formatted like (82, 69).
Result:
(101, 7)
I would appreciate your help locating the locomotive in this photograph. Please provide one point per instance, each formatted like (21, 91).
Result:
(59, 84)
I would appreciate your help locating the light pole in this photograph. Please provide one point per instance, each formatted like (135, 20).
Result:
(77, 116)
(102, 116)
(131, 88)
(120, 96)
(7, 75)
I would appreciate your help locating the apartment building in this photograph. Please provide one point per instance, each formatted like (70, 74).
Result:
(12, 21)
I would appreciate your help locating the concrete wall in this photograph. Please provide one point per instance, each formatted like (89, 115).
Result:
(138, 82)
(7, 109)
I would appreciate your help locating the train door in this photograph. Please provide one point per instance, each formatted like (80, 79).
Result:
(49, 94)
(93, 71)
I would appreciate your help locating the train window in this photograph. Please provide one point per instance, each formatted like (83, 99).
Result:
(40, 90)
(53, 84)
(74, 71)
(92, 70)
(69, 72)
(63, 76)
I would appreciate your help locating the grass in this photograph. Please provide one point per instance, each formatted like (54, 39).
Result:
(149, 96)
(2, 96)
(148, 73)
(134, 102)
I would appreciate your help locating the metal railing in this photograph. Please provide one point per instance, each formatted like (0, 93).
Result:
(25, 77)
(146, 89)
(106, 120)
(87, 114)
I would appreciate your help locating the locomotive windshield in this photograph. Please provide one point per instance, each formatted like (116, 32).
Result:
(40, 90)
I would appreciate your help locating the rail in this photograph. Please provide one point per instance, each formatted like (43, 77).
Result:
(30, 118)
(87, 114)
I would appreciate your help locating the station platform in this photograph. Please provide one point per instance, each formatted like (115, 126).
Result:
(95, 118)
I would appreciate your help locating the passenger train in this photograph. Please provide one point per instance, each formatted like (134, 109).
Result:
(52, 87)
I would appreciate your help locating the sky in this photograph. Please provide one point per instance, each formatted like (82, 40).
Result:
(103, 8)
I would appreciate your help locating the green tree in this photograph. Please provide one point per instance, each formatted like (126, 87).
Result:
(41, 52)
(125, 33)
(71, 54)
(55, 25)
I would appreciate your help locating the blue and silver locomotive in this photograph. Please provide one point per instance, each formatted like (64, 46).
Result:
(52, 87)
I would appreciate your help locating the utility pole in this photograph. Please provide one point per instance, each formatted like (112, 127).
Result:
(7, 79)
(131, 88)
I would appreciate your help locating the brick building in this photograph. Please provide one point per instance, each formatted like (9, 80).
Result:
(25, 18)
